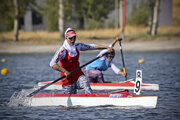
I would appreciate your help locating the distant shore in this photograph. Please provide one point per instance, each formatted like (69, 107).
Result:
(136, 46)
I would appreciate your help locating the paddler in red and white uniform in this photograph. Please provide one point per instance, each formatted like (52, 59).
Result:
(68, 56)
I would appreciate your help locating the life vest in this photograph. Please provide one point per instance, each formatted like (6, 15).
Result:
(70, 64)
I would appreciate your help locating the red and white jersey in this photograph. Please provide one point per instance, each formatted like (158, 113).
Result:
(70, 64)
(69, 59)
(61, 53)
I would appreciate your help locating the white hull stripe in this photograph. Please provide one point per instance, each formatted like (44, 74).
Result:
(116, 99)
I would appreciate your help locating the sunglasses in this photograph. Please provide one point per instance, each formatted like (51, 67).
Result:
(110, 55)
(72, 38)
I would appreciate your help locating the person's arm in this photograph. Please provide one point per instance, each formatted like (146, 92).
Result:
(60, 69)
(114, 42)
(117, 70)
(83, 47)
(101, 53)
(122, 73)
(100, 47)
(59, 55)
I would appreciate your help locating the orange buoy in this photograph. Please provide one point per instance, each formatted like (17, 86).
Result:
(3, 60)
(141, 61)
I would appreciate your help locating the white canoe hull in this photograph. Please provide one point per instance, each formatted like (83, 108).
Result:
(117, 99)
(129, 85)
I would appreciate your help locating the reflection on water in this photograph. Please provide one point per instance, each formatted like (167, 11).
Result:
(27, 70)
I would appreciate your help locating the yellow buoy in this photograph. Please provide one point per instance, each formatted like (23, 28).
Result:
(3, 60)
(141, 60)
(4, 71)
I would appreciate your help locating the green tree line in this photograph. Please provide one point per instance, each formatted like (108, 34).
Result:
(7, 11)
(82, 14)
(88, 13)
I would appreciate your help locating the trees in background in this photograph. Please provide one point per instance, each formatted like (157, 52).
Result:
(16, 19)
(93, 12)
(6, 14)
(61, 18)
(139, 14)
(11, 11)
(88, 14)
(83, 14)
(153, 16)
(146, 14)
(50, 10)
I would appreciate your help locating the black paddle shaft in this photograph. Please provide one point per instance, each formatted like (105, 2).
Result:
(45, 86)
(124, 68)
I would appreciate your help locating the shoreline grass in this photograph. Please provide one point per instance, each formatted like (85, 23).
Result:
(132, 33)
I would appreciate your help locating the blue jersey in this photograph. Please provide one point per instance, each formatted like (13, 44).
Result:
(102, 64)
(99, 64)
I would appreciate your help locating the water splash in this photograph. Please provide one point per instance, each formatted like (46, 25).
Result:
(20, 98)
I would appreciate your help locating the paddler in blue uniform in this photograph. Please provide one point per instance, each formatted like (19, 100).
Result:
(94, 70)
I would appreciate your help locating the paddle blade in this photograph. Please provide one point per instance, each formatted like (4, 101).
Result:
(36, 91)
(45, 86)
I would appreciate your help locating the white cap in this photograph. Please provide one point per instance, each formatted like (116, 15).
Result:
(68, 29)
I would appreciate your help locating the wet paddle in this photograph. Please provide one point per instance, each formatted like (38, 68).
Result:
(45, 86)
(124, 68)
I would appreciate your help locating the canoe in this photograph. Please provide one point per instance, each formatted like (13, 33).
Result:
(129, 85)
(124, 99)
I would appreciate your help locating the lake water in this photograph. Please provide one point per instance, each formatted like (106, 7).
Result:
(26, 71)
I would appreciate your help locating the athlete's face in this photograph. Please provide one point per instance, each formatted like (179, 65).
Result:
(110, 57)
(71, 40)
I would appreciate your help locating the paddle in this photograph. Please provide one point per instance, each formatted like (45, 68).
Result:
(124, 68)
(45, 86)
